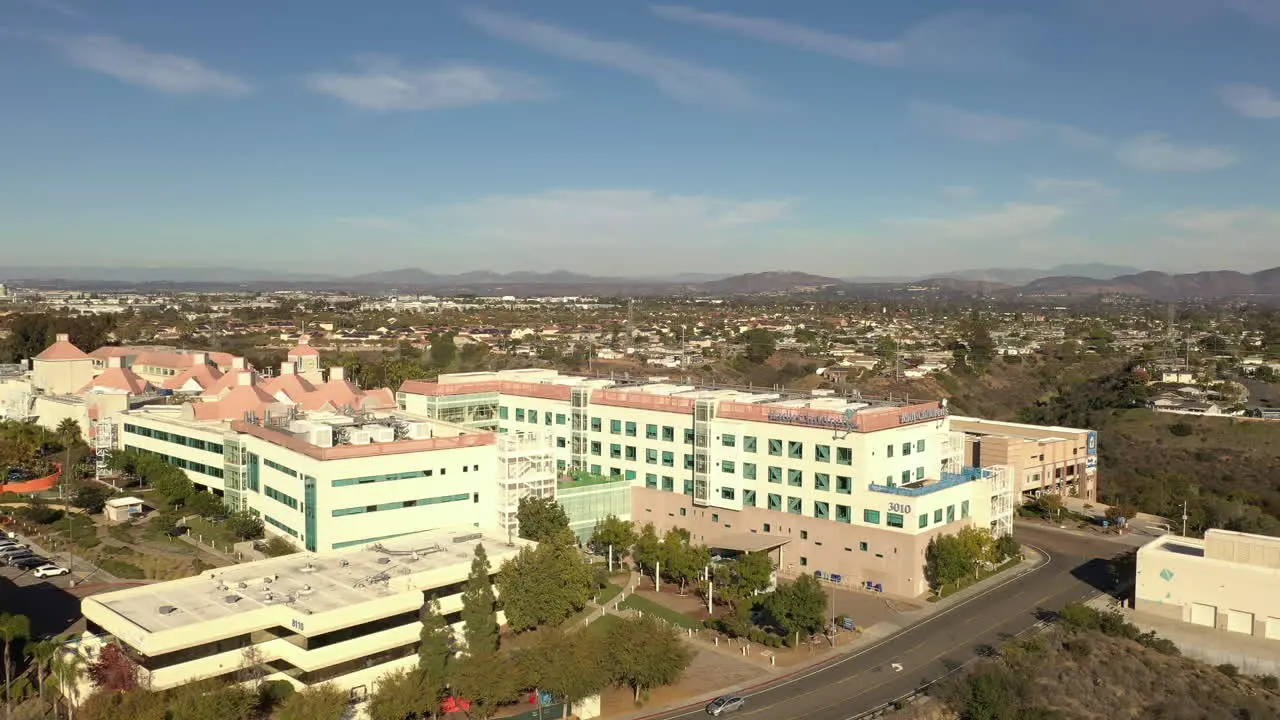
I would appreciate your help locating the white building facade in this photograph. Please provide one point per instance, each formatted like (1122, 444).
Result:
(853, 489)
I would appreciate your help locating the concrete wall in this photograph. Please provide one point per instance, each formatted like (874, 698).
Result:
(62, 377)
(859, 553)
(1174, 576)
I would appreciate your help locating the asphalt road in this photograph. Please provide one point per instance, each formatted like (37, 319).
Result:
(868, 678)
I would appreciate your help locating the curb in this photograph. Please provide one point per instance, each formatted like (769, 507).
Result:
(1044, 558)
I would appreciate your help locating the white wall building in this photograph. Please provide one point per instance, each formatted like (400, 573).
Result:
(850, 487)
(346, 618)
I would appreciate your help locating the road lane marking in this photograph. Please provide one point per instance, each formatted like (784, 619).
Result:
(1048, 560)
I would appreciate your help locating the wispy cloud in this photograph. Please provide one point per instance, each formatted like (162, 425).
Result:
(1068, 190)
(1258, 12)
(1156, 152)
(1151, 151)
(1238, 237)
(1251, 101)
(960, 192)
(972, 126)
(58, 7)
(1013, 221)
(683, 80)
(173, 74)
(386, 85)
(958, 41)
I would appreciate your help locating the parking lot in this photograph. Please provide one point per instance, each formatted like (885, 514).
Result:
(51, 604)
(51, 608)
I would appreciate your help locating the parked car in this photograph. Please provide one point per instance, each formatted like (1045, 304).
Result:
(30, 563)
(13, 549)
(10, 544)
(45, 571)
(724, 704)
(13, 560)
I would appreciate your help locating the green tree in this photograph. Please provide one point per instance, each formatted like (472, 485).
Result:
(799, 607)
(13, 628)
(487, 679)
(479, 606)
(91, 498)
(318, 702)
(69, 431)
(546, 584)
(743, 577)
(577, 670)
(612, 532)
(944, 561)
(444, 351)
(42, 654)
(245, 526)
(643, 653)
(540, 519)
(435, 653)
(759, 345)
(210, 700)
(647, 551)
(400, 694)
(682, 561)
(204, 504)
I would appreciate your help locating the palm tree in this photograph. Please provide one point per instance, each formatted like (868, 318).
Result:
(12, 629)
(65, 672)
(68, 431)
(42, 654)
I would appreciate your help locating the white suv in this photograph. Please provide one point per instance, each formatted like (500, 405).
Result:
(45, 571)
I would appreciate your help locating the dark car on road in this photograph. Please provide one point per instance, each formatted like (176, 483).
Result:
(13, 560)
(724, 705)
(30, 563)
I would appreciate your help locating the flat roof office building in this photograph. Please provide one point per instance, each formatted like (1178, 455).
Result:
(846, 486)
(1041, 459)
(345, 617)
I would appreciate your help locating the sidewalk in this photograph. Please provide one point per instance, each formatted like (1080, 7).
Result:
(872, 635)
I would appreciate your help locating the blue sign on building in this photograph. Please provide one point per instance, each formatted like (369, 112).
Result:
(1092, 443)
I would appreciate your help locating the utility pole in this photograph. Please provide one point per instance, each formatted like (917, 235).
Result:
(1184, 518)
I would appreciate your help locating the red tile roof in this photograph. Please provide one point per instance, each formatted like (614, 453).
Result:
(118, 378)
(62, 350)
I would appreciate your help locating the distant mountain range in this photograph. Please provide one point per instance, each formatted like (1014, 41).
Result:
(1064, 281)
(1022, 276)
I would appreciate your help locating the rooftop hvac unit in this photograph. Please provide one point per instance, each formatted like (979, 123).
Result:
(299, 426)
(321, 435)
(382, 433)
(359, 437)
(420, 430)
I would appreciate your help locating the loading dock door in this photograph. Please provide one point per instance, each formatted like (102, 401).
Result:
(1206, 615)
(1273, 628)
(1240, 622)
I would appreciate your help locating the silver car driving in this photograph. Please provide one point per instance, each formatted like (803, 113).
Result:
(724, 704)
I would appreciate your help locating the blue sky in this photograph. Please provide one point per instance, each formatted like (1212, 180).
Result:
(627, 138)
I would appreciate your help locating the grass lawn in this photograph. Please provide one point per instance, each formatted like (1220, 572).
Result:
(609, 592)
(649, 607)
(603, 624)
(952, 588)
(218, 534)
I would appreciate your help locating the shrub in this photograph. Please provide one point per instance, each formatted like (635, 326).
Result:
(1270, 682)
(1229, 670)
(122, 569)
(1181, 429)
(273, 693)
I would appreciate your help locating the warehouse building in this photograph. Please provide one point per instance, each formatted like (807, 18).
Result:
(1228, 580)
